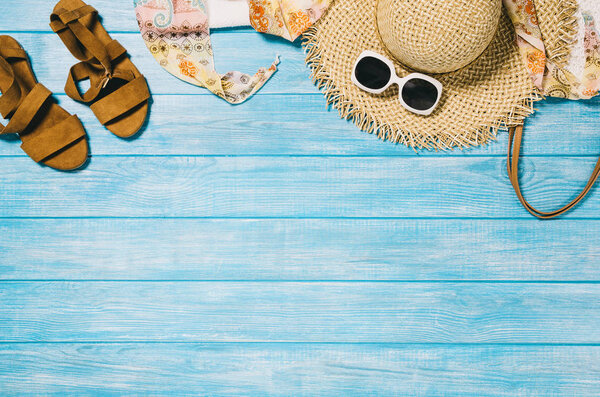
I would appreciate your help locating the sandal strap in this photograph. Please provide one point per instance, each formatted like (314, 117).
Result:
(13, 52)
(54, 139)
(27, 110)
(10, 99)
(84, 71)
(79, 72)
(115, 50)
(122, 100)
(67, 17)
(76, 35)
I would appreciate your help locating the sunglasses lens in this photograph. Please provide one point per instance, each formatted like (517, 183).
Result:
(372, 73)
(420, 94)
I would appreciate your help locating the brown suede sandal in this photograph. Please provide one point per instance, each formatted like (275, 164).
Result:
(118, 93)
(50, 135)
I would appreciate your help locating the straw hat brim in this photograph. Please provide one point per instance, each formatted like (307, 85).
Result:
(495, 91)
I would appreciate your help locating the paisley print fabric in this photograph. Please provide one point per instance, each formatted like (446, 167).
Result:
(548, 77)
(177, 34)
(286, 18)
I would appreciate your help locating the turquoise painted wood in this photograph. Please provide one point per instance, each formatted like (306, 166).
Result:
(298, 125)
(318, 311)
(300, 369)
(273, 249)
(291, 186)
(299, 249)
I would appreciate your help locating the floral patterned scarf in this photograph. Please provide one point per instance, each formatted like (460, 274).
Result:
(177, 34)
(286, 18)
(548, 77)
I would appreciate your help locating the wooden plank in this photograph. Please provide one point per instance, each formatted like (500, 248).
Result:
(297, 249)
(256, 187)
(299, 369)
(299, 125)
(340, 312)
(118, 15)
(245, 52)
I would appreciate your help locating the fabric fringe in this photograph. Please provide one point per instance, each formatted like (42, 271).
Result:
(443, 141)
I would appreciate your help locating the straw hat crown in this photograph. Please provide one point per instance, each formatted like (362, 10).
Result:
(437, 36)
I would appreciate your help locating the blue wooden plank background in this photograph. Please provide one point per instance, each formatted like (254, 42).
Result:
(273, 249)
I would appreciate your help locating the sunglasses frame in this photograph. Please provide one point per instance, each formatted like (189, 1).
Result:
(395, 79)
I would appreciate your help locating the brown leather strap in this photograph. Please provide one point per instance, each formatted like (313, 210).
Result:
(67, 17)
(514, 151)
(27, 110)
(79, 72)
(21, 110)
(78, 37)
(122, 100)
(13, 52)
(10, 99)
(24, 109)
(54, 139)
(115, 50)
(84, 70)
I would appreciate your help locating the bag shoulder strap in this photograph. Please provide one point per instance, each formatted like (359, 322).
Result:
(514, 151)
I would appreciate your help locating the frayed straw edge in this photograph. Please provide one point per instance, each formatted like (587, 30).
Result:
(366, 122)
(568, 28)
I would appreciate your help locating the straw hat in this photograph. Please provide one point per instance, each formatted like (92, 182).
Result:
(468, 45)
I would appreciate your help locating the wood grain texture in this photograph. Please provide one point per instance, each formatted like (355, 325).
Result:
(233, 51)
(300, 369)
(294, 124)
(298, 249)
(359, 267)
(290, 187)
(339, 312)
(118, 15)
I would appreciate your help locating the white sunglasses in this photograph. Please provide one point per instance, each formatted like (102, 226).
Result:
(374, 73)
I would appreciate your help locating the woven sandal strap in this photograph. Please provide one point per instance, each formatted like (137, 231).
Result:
(10, 99)
(514, 152)
(27, 110)
(76, 35)
(122, 100)
(54, 139)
